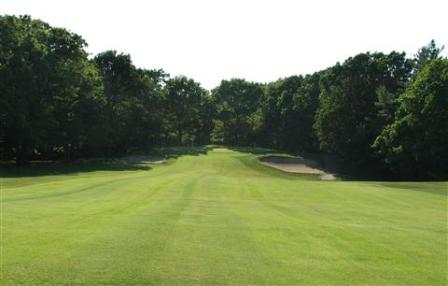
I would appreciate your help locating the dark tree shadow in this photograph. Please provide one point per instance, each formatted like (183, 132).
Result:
(48, 168)
(135, 160)
(251, 150)
(178, 151)
(139, 160)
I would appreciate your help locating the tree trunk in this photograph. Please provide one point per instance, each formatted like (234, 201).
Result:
(179, 134)
(22, 156)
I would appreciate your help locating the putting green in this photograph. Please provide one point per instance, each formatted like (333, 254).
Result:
(220, 218)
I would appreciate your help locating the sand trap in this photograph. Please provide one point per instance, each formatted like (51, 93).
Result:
(144, 159)
(295, 165)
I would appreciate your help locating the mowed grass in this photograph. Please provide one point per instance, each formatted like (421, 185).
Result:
(220, 219)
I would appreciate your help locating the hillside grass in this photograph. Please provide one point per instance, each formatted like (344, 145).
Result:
(217, 218)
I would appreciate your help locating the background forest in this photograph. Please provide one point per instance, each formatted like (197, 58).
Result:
(384, 112)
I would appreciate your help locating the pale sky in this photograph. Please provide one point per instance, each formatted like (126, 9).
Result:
(211, 40)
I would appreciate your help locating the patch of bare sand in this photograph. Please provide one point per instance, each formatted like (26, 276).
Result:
(295, 165)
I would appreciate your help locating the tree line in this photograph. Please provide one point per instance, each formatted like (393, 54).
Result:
(387, 112)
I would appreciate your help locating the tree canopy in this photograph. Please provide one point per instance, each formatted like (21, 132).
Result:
(415, 144)
(386, 112)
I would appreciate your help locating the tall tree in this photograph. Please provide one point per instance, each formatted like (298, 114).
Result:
(184, 99)
(236, 101)
(288, 107)
(132, 100)
(46, 82)
(415, 145)
(277, 110)
(348, 121)
(426, 54)
(306, 101)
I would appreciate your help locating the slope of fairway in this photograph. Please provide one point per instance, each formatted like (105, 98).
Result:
(220, 218)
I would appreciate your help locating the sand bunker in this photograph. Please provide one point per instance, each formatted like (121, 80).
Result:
(295, 165)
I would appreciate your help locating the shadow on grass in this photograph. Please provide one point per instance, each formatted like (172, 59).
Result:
(251, 150)
(135, 160)
(179, 151)
(48, 168)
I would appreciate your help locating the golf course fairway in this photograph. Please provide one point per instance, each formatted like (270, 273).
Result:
(220, 218)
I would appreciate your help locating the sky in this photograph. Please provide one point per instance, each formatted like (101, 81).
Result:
(259, 40)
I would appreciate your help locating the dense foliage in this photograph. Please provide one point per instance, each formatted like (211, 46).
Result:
(350, 115)
(236, 101)
(415, 144)
(384, 111)
(50, 91)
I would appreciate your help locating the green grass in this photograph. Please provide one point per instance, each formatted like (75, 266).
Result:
(219, 219)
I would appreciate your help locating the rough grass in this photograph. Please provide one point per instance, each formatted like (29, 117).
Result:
(219, 218)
